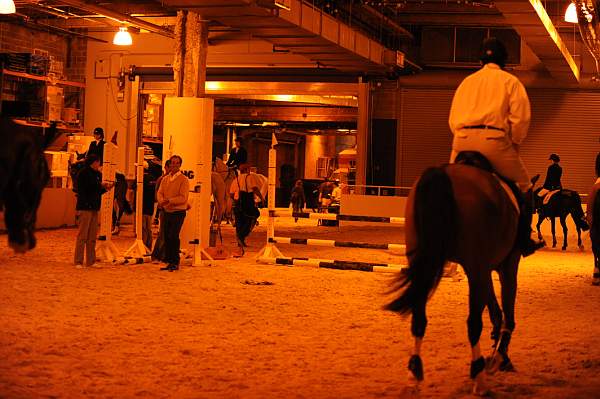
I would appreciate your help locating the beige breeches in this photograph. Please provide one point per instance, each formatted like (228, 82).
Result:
(499, 150)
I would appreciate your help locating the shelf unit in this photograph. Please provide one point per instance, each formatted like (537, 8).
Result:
(34, 89)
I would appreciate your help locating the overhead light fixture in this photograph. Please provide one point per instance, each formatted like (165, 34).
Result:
(122, 37)
(284, 4)
(571, 14)
(7, 7)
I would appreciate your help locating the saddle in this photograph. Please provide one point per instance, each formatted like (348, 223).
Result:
(478, 160)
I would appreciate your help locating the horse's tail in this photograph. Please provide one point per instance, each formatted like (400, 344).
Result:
(435, 219)
(577, 212)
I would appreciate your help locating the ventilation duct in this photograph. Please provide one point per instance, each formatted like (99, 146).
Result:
(589, 27)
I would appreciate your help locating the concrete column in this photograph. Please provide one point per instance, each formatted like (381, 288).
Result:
(363, 132)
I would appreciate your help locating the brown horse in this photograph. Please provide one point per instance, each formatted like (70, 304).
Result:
(460, 213)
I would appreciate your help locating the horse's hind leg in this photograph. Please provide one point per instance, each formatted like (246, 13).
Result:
(418, 325)
(553, 227)
(563, 223)
(479, 296)
(508, 281)
(495, 315)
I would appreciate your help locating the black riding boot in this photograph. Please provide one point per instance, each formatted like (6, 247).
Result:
(526, 243)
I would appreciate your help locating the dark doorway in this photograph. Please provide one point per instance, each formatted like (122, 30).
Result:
(381, 170)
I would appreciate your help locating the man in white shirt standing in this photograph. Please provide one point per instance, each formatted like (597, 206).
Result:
(490, 114)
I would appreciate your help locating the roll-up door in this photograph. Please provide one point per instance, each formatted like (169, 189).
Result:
(424, 137)
(567, 123)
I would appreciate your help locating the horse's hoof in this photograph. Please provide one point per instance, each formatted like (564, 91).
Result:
(506, 365)
(596, 281)
(415, 366)
(581, 248)
(481, 388)
(492, 363)
(564, 248)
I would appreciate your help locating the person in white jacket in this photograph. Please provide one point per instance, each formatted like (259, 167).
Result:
(490, 114)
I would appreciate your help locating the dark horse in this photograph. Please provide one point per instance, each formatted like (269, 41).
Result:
(23, 176)
(120, 193)
(561, 204)
(460, 213)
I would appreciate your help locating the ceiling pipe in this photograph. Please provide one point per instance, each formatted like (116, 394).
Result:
(589, 27)
(44, 27)
(121, 18)
(389, 21)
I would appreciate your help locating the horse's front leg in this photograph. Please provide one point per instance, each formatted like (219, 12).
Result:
(479, 283)
(563, 223)
(553, 229)
(579, 243)
(538, 226)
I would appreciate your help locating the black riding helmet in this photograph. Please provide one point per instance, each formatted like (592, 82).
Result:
(493, 50)
(99, 132)
(554, 157)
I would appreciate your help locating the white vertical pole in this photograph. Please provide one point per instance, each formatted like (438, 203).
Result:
(106, 248)
(139, 193)
(270, 250)
(227, 144)
(271, 193)
(138, 249)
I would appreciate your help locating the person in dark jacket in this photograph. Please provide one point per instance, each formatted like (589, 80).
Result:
(158, 252)
(89, 194)
(553, 174)
(238, 154)
(97, 146)
(148, 200)
(298, 199)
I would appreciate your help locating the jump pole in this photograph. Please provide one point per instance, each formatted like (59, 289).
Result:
(201, 207)
(138, 249)
(270, 250)
(333, 216)
(335, 264)
(333, 243)
(107, 251)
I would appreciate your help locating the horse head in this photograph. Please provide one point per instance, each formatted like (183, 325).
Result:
(24, 180)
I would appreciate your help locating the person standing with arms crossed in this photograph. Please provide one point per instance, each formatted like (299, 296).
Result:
(172, 196)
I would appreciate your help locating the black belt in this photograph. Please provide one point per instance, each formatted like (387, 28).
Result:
(483, 127)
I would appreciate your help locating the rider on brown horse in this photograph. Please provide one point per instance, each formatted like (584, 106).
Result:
(490, 114)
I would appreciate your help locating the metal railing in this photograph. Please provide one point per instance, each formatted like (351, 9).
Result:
(390, 191)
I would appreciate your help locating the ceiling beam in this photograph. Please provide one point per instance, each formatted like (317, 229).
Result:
(117, 16)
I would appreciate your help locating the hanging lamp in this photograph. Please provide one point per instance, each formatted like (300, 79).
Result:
(571, 14)
(7, 7)
(122, 37)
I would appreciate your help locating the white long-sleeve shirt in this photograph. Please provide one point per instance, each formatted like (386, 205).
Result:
(491, 97)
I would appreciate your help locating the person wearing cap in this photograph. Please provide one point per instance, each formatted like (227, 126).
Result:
(490, 114)
(553, 174)
(89, 195)
(97, 146)
(238, 154)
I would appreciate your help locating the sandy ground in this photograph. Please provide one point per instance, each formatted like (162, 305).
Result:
(209, 332)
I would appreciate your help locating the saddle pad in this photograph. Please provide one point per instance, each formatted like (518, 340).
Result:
(510, 193)
(548, 196)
